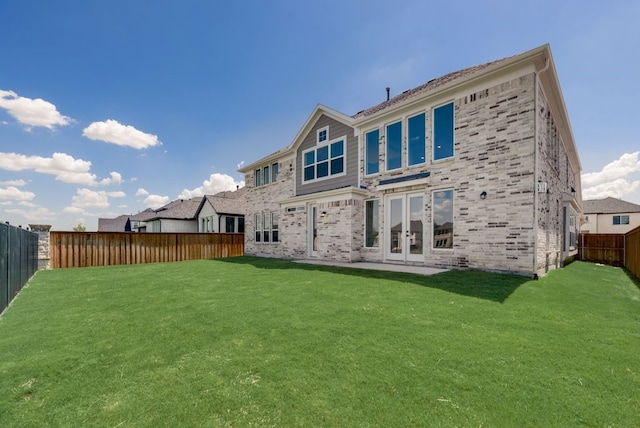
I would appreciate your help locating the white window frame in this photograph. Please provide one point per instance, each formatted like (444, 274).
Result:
(433, 132)
(386, 144)
(367, 174)
(329, 159)
(453, 220)
(324, 129)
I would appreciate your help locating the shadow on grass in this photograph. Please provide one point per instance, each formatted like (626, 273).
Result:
(496, 287)
(632, 277)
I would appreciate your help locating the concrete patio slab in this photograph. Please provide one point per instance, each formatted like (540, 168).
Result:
(419, 270)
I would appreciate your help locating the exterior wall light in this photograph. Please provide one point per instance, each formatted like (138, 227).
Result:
(323, 214)
(483, 195)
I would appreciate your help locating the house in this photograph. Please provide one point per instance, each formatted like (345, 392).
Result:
(475, 169)
(610, 215)
(179, 216)
(222, 212)
(118, 224)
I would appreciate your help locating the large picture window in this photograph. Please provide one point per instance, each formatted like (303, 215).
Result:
(443, 132)
(372, 223)
(372, 152)
(394, 146)
(442, 209)
(417, 139)
(324, 161)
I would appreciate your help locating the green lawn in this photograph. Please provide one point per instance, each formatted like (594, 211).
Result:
(259, 342)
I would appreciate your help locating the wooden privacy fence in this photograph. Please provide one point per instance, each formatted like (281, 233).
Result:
(85, 249)
(617, 250)
(601, 248)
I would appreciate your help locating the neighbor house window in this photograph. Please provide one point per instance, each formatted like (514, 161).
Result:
(258, 227)
(394, 146)
(371, 223)
(240, 224)
(372, 152)
(620, 219)
(258, 175)
(417, 137)
(442, 208)
(230, 224)
(324, 161)
(443, 132)
(274, 172)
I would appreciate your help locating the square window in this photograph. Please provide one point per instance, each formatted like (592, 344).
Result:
(337, 149)
(337, 166)
(309, 158)
(323, 134)
(309, 173)
(323, 153)
(323, 169)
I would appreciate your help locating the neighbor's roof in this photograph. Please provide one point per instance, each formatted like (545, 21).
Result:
(180, 209)
(144, 215)
(228, 202)
(112, 224)
(609, 206)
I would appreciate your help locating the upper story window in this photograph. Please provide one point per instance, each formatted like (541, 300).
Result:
(265, 175)
(443, 132)
(324, 161)
(620, 219)
(417, 139)
(394, 145)
(322, 135)
(372, 152)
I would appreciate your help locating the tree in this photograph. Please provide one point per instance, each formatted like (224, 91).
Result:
(80, 228)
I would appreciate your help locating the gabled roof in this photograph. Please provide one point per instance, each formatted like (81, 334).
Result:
(143, 215)
(318, 111)
(231, 202)
(180, 209)
(112, 224)
(609, 206)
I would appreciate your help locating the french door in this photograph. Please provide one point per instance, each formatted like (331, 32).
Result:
(404, 227)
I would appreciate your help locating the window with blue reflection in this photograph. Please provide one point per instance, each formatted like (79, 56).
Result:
(394, 146)
(417, 139)
(443, 132)
(372, 152)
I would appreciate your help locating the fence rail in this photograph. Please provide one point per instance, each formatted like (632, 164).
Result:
(87, 249)
(18, 261)
(602, 248)
(612, 249)
(632, 251)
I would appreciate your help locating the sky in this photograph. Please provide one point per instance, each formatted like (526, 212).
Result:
(111, 107)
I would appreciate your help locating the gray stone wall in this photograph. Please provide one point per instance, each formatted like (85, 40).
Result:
(43, 244)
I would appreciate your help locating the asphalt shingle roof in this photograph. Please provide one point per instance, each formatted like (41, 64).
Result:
(609, 206)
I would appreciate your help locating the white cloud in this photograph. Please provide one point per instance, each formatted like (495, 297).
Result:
(115, 178)
(617, 179)
(155, 201)
(240, 165)
(36, 214)
(32, 112)
(64, 167)
(626, 165)
(16, 183)
(141, 192)
(86, 198)
(15, 194)
(111, 131)
(216, 183)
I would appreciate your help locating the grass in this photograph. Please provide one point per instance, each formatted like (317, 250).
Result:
(259, 342)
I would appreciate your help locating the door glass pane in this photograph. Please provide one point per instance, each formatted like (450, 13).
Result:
(315, 229)
(397, 228)
(415, 224)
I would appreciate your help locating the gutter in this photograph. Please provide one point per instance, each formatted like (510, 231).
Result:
(536, 130)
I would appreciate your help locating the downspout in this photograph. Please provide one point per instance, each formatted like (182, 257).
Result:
(535, 168)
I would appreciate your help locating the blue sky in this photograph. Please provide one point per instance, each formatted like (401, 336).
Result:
(107, 108)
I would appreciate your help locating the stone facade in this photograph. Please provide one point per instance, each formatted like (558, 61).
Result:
(42, 230)
(513, 177)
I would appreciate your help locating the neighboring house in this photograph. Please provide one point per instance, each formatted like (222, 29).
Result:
(475, 169)
(610, 215)
(222, 212)
(179, 216)
(121, 223)
(138, 221)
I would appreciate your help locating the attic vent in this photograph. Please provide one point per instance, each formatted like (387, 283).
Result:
(295, 209)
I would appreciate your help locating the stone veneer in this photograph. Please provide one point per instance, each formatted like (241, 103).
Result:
(43, 244)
